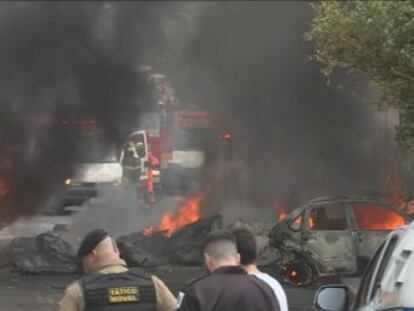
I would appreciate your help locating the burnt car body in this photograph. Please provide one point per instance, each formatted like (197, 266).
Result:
(333, 236)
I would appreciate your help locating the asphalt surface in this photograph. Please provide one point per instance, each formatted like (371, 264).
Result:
(39, 293)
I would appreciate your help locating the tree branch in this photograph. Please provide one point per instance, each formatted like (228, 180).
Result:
(403, 75)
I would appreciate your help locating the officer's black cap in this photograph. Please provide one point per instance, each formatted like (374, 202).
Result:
(91, 240)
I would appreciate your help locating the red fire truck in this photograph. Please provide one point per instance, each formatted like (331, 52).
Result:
(176, 136)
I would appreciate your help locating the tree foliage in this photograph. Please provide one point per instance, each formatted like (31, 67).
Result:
(375, 38)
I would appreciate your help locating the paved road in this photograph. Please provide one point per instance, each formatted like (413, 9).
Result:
(38, 293)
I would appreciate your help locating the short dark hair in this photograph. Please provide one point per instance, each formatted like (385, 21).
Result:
(220, 244)
(246, 245)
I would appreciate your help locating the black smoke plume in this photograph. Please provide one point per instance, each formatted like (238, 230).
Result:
(295, 136)
(66, 59)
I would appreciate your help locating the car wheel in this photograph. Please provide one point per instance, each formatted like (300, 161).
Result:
(299, 272)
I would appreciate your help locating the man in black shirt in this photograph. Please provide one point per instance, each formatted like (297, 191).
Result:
(228, 287)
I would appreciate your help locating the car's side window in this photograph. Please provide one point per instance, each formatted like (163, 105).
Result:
(328, 217)
(363, 291)
(373, 217)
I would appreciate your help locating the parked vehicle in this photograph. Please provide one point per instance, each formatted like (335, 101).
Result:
(333, 236)
(96, 164)
(387, 284)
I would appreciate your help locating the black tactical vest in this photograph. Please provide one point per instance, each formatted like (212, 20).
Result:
(118, 291)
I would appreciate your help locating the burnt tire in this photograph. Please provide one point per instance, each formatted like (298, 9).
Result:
(299, 272)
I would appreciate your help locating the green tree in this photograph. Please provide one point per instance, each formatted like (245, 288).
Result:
(375, 38)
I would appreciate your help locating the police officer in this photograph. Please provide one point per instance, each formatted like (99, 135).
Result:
(228, 287)
(108, 285)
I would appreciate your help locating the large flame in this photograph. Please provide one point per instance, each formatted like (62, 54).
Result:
(371, 217)
(184, 215)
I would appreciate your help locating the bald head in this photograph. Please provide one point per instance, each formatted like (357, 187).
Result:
(220, 250)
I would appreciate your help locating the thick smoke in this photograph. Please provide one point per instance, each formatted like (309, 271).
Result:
(247, 62)
(67, 59)
(296, 137)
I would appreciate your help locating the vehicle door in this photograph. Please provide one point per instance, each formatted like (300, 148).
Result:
(329, 238)
(363, 294)
(373, 223)
(371, 287)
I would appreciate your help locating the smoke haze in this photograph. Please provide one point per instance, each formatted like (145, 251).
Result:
(296, 136)
(245, 61)
(63, 59)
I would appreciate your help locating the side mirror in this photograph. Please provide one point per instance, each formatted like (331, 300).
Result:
(331, 298)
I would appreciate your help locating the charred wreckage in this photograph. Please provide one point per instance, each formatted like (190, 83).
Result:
(328, 236)
(333, 236)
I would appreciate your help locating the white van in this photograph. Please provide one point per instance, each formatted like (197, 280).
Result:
(388, 281)
(96, 166)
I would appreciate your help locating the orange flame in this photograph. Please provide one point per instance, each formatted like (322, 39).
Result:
(282, 215)
(185, 215)
(311, 223)
(370, 217)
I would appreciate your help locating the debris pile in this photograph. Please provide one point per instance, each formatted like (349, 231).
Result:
(183, 247)
(46, 253)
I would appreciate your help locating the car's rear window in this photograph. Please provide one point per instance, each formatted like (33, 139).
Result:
(373, 217)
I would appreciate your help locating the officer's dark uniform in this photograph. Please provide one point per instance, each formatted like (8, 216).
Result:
(110, 286)
(118, 291)
(227, 289)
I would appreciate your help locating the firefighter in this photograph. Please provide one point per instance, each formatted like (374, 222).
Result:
(108, 285)
(153, 163)
(131, 164)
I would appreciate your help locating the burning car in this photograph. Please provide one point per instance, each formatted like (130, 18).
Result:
(332, 236)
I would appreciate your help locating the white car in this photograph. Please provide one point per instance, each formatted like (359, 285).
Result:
(388, 281)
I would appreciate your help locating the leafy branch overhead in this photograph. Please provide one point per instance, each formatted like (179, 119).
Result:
(375, 38)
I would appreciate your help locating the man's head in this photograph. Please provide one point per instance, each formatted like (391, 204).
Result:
(246, 245)
(220, 250)
(97, 247)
